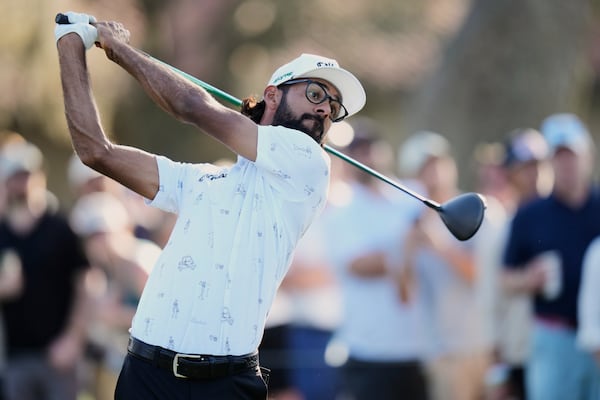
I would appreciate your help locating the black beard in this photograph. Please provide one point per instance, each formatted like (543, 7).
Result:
(283, 116)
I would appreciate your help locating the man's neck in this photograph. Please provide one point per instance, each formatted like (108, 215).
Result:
(575, 197)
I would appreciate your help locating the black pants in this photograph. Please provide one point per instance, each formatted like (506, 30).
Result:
(140, 380)
(516, 383)
(384, 380)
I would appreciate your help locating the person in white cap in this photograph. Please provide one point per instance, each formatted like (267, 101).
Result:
(120, 264)
(149, 223)
(522, 170)
(440, 274)
(45, 319)
(545, 249)
(202, 313)
(588, 307)
(382, 333)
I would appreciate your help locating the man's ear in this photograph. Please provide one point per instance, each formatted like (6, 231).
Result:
(272, 97)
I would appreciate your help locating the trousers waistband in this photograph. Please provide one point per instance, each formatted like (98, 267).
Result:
(192, 366)
(555, 322)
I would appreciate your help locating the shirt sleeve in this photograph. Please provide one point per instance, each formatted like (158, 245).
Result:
(588, 335)
(174, 179)
(292, 162)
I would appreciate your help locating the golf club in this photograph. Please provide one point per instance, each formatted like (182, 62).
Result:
(462, 215)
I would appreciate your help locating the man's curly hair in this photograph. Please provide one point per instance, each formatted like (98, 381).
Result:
(253, 108)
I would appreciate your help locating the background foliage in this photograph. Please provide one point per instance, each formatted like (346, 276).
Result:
(471, 70)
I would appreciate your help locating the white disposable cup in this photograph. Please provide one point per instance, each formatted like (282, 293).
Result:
(552, 265)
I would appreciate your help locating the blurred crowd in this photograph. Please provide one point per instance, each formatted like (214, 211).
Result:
(380, 302)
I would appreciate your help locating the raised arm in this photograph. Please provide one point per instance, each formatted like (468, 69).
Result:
(133, 168)
(178, 96)
(184, 100)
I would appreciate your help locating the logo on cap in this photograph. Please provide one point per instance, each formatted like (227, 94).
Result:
(283, 77)
(321, 64)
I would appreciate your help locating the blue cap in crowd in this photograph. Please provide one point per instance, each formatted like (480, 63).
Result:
(566, 131)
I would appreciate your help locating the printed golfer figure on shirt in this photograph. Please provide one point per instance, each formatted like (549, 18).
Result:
(257, 203)
(175, 309)
(309, 190)
(211, 240)
(186, 263)
(161, 269)
(226, 316)
(204, 286)
(147, 326)
(241, 190)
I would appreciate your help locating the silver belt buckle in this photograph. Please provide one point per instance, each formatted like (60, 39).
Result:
(176, 362)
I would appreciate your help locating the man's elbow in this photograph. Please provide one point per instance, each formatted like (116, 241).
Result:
(96, 157)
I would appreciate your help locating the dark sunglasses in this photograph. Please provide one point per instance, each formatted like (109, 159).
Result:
(316, 93)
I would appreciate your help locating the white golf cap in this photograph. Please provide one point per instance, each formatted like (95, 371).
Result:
(566, 131)
(98, 212)
(419, 148)
(352, 93)
(78, 173)
(20, 156)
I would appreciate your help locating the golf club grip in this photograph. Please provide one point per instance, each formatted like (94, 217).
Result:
(61, 19)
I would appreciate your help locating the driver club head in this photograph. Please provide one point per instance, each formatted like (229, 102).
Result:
(463, 214)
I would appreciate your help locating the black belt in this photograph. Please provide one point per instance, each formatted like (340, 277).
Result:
(193, 366)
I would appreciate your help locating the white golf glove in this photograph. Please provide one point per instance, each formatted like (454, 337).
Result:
(80, 24)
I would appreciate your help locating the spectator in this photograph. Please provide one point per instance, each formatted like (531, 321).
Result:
(441, 274)
(11, 275)
(306, 311)
(120, 265)
(84, 180)
(382, 335)
(11, 284)
(315, 313)
(493, 183)
(589, 306)
(526, 163)
(47, 320)
(275, 349)
(492, 179)
(546, 244)
(149, 223)
(507, 316)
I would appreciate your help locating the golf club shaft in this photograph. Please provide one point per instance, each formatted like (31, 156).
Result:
(237, 102)
(224, 96)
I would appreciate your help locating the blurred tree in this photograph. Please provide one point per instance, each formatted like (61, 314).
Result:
(511, 64)
(235, 45)
(30, 94)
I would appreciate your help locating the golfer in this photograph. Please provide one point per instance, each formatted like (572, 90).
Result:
(201, 316)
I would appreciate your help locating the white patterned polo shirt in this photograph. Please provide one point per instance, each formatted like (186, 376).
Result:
(211, 289)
